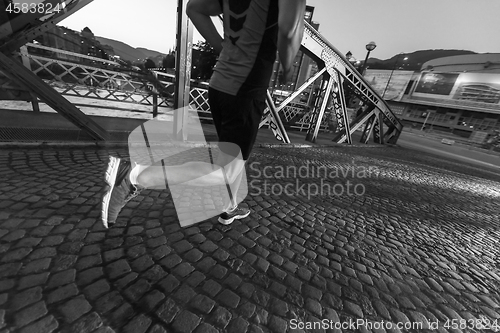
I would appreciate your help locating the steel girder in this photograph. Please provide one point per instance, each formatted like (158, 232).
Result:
(336, 64)
(271, 114)
(340, 71)
(322, 103)
(23, 29)
(25, 78)
(339, 105)
(26, 27)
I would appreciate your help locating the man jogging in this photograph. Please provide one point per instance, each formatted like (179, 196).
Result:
(253, 31)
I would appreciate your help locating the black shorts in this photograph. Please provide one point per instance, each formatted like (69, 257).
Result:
(236, 118)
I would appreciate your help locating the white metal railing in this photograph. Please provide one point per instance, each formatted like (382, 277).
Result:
(199, 102)
(85, 76)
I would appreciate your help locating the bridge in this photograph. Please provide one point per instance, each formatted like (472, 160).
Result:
(390, 239)
(31, 76)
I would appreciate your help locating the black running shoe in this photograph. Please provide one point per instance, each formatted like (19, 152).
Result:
(120, 190)
(237, 214)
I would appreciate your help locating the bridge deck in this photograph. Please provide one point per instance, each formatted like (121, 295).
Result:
(419, 245)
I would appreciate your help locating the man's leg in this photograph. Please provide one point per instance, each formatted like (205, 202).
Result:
(190, 173)
(228, 114)
(240, 116)
(236, 119)
(234, 173)
(124, 183)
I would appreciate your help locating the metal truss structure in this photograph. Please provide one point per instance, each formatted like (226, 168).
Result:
(66, 78)
(107, 82)
(337, 74)
(24, 28)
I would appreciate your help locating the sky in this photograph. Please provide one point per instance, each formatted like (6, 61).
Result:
(394, 25)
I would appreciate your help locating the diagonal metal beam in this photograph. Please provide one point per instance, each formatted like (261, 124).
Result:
(313, 132)
(300, 90)
(275, 122)
(340, 107)
(25, 78)
(28, 26)
(315, 45)
(380, 128)
(342, 136)
(367, 132)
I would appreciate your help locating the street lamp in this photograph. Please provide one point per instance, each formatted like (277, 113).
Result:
(392, 72)
(348, 56)
(369, 47)
(351, 59)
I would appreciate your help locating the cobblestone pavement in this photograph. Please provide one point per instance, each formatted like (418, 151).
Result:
(412, 239)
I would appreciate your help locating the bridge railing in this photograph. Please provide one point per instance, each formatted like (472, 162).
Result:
(78, 75)
(75, 74)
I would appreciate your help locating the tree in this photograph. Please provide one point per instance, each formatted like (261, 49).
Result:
(169, 61)
(149, 63)
(203, 62)
(86, 32)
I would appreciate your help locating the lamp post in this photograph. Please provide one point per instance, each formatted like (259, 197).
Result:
(369, 47)
(352, 60)
(348, 56)
(392, 72)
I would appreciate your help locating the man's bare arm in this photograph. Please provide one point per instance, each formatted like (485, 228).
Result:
(291, 30)
(200, 12)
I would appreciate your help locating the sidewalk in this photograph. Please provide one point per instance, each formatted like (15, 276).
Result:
(411, 240)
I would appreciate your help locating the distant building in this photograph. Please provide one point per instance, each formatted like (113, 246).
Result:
(458, 93)
(477, 63)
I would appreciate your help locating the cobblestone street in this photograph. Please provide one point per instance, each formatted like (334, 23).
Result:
(383, 235)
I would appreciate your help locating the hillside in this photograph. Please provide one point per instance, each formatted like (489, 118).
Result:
(151, 53)
(415, 59)
(413, 63)
(125, 51)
